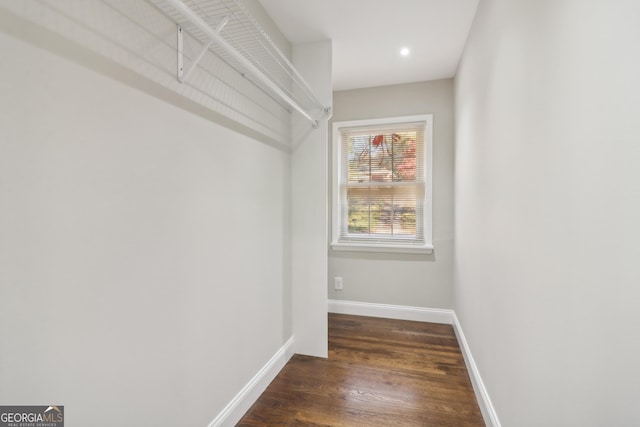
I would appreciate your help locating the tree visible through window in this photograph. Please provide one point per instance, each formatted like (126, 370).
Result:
(382, 183)
(376, 208)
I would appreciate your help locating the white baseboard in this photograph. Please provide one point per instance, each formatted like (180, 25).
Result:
(484, 401)
(420, 314)
(240, 404)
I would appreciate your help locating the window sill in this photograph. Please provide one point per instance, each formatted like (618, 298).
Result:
(381, 247)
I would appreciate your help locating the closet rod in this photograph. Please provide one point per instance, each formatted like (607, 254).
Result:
(190, 15)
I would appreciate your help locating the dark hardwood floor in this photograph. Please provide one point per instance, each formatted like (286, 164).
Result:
(380, 372)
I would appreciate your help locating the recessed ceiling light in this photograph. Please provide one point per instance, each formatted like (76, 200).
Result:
(404, 51)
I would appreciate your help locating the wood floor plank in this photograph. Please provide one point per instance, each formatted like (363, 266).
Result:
(380, 372)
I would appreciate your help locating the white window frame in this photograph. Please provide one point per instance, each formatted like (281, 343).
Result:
(377, 244)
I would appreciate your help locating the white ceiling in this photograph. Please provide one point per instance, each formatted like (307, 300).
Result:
(367, 36)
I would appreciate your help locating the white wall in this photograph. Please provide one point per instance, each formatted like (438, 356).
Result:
(310, 206)
(547, 205)
(401, 279)
(143, 251)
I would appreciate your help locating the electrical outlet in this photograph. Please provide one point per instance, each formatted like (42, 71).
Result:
(337, 283)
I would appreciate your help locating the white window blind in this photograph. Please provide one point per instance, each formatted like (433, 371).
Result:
(383, 183)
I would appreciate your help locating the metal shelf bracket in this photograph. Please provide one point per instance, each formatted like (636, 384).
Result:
(182, 74)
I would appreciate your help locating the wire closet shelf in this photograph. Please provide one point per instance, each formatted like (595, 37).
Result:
(227, 29)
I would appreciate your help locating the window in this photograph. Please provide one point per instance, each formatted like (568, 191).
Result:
(382, 185)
